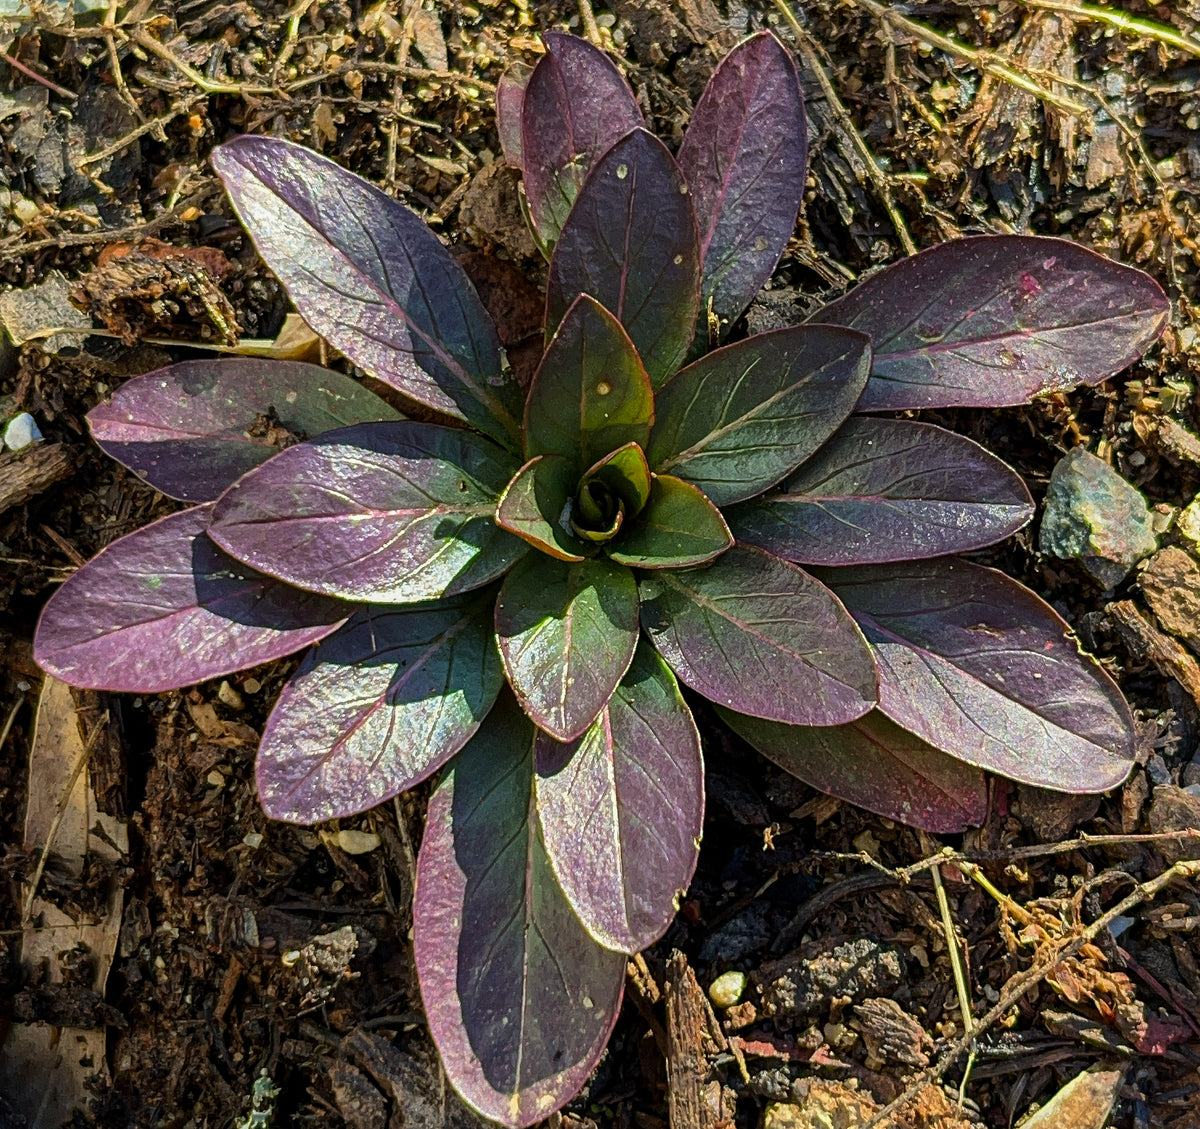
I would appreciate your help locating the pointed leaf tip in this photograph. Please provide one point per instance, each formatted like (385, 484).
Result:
(371, 278)
(520, 999)
(622, 808)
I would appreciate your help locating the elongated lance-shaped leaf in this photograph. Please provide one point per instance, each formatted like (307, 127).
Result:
(875, 764)
(622, 808)
(993, 320)
(164, 607)
(980, 667)
(744, 158)
(678, 527)
(762, 637)
(520, 1000)
(740, 418)
(590, 395)
(390, 513)
(576, 106)
(567, 632)
(372, 279)
(887, 490)
(536, 506)
(380, 705)
(510, 99)
(630, 242)
(192, 429)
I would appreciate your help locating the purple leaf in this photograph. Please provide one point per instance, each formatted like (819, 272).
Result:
(163, 607)
(875, 764)
(762, 637)
(520, 1000)
(630, 243)
(381, 704)
(993, 320)
(567, 632)
(590, 395)
(622, 808)
(740, 418)
(980, 667)
(510, 99)
(391, 513)
(544, 485)
(744, 157)
(371, 278)
(886, 490)
(576, 106)
(190, 429)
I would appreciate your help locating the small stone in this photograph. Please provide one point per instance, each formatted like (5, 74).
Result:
(1191, 772)
(1156, 769)
(1174, 809)
(1094, 516)
(252, 685)
(20, 431)
(727, 989)
(227, 694)
(253, 840)
(358, 842)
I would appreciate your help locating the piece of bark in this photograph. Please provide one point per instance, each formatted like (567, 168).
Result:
(687, 1066)
(1146, 642)
(26, 473)
(891, 1035)
(1171, 584)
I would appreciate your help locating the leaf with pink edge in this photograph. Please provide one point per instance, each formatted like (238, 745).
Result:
(630, 243)
(391, 513)
(372, 279)
(576, 106)
(567, 632)
(744, 158)
(190, 430)
(874, 763)
(164, 607)
(759, 635)
(887, 490)
(520, 999)
(622, 808)
(380, 705)
(980, 667)
(993, 320)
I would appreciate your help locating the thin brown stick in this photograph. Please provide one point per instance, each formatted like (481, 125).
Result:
(60, 811)
(16, 64)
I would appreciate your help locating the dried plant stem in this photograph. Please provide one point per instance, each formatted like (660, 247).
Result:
(60, 811)
(17, 65)
(960, 976)
(1050, 955)
(979, 57)
(877, 176)
(1134, 25)
(146, 41)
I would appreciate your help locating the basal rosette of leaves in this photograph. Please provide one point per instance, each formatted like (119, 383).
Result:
(512, 597)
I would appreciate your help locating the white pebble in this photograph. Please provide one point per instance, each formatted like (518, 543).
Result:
(20, 431)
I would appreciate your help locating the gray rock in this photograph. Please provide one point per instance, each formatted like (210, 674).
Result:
(1094, 516)
(805, 982)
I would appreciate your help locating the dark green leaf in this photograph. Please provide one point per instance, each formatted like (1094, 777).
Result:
(740, 418)
(590, 394)
(567, 633)
(626, 473)
(678, 527)
(536, 506)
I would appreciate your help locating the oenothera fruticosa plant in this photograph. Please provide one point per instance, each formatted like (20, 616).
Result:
(512, 596)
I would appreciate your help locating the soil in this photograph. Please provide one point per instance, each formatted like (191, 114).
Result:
(251, 973)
